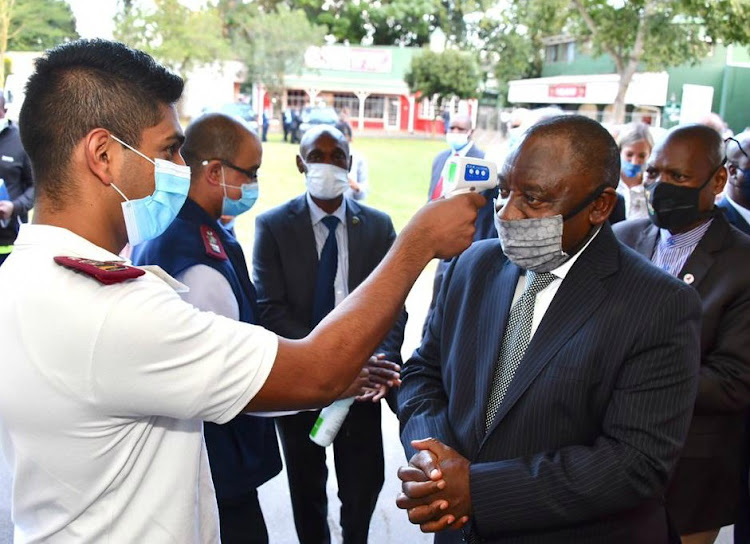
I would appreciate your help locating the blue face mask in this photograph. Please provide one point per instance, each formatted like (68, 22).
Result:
(631, 170)
(148, 217)
(245, 202)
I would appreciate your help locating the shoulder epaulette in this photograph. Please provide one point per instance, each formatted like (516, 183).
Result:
(212, 243)
(106, 272)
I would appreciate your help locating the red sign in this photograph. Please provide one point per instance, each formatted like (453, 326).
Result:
(567, 90)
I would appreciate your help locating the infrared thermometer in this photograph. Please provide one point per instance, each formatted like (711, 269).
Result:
(468, 175)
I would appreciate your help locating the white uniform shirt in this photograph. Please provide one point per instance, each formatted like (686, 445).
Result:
(103, 392)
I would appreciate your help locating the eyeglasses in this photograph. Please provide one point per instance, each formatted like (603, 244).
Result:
(739, 145)
(252, 176)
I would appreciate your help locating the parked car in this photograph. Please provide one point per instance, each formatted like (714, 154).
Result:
(316, 116)
(240, 111)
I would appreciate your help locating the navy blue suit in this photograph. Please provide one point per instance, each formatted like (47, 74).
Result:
(705, 489)
(243, 453)
(591, 425)
(742, 525)
(285, 263)
(733, 216)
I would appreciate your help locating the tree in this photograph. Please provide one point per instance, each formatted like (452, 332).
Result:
(175, 35)
(271, 44)
(385, 22)
(447, 74)
(510, 40)
(33, 25)
(656, 33)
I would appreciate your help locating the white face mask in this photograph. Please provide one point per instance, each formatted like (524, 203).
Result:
(326, 181)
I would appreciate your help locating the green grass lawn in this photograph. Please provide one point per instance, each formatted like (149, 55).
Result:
(399, 178)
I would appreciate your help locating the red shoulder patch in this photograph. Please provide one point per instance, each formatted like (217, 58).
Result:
(212, 243)
(106, 272)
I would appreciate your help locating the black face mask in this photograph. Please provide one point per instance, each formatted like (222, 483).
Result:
(674, 207)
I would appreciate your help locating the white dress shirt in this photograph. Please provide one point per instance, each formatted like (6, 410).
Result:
(545, 296)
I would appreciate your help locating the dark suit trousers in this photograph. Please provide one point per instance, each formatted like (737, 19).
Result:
(358, 457)
(241, 520)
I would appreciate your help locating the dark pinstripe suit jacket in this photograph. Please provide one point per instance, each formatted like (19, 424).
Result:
(593, 422)
(719, 267)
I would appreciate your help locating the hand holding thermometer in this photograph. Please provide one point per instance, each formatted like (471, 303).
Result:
(468, 174)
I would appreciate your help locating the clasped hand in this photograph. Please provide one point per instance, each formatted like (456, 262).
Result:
(435, 487)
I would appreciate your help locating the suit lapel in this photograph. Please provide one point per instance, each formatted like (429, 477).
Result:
(355, 232)
(579, 295)
(647, 240)
(701, 259)
(497, 306)
(305, 250)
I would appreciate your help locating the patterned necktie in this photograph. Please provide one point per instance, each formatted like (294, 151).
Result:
(515, 340)
(324, 299)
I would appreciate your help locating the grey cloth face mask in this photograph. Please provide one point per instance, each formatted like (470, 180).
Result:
(533, 244)
(536, 244)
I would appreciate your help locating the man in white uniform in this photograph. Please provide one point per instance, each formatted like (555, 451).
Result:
(107, 373)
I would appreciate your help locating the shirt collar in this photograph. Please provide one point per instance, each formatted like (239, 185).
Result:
(562, 270)
(684, 239)
(62, 242)
(744, 212)
(317, 214)
(464, 150)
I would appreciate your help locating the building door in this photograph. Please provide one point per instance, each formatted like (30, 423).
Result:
(392, 113)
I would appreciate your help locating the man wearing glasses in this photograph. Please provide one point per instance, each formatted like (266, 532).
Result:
(736, 201)
(224, 158)
(736, 207)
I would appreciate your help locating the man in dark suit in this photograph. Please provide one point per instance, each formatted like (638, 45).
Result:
(224, 158)
(558, 371)
(736, 208)
(688, 238)
(291, 260)
(736, 201)
(458, 136)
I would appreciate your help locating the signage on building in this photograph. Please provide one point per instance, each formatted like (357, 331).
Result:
(646, 89)
(566, 90)
(349, 59)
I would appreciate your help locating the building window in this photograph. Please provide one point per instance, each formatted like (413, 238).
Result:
(427, 108)
(571, 52)
(375, 106)
(551, 53)
(348, 101)
(296, 99)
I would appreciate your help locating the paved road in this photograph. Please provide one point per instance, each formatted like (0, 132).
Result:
(389, 524)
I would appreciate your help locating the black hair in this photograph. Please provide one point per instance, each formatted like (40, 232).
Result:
(592, 147)
(711, 141)
(311, 136)
(87, 84)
